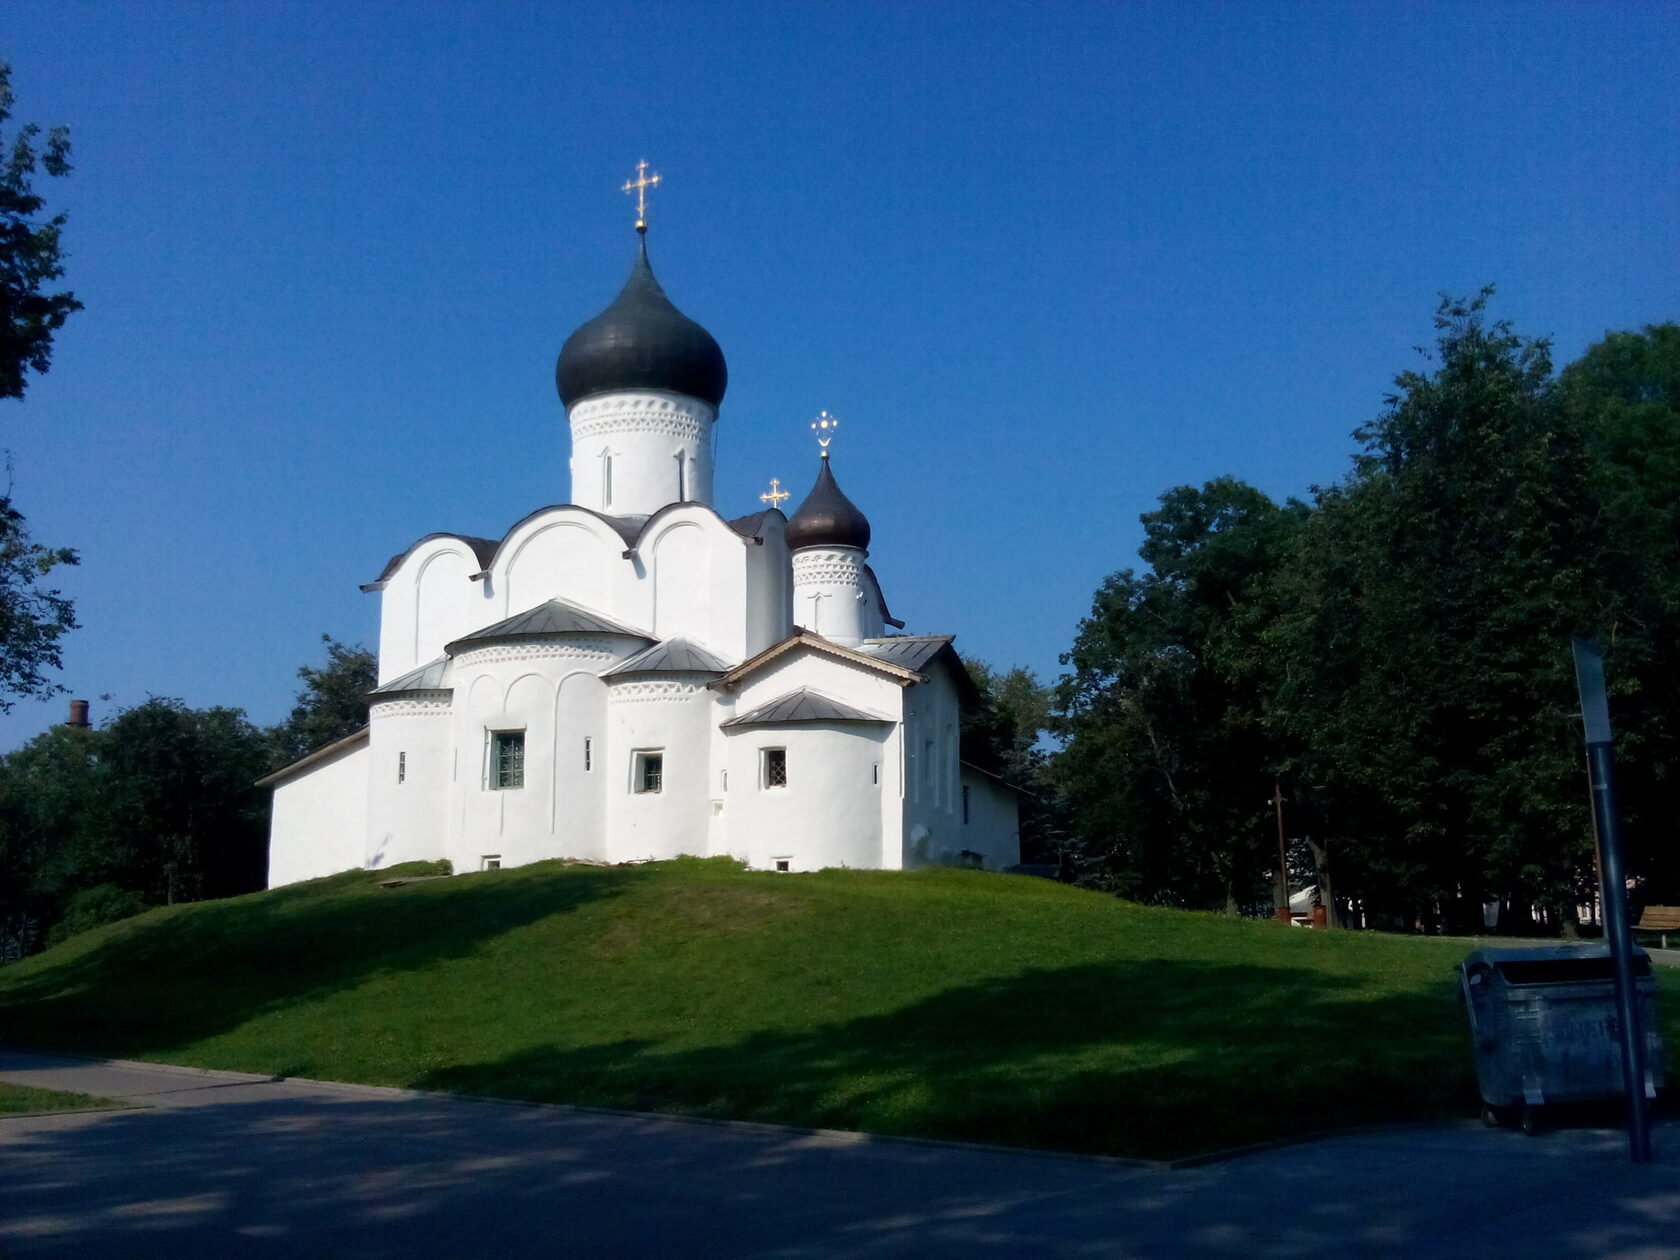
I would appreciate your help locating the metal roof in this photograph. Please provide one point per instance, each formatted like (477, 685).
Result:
(672, 656)
(912, 651)
(641, 341)
(482, 549)
(827, 518)
(429, 677)
(355, 737)
(752, 525)
(802, 638)
(803, 705)
(555, 617)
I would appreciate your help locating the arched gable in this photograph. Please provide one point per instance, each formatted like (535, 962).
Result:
(558, 556)
(427, 599)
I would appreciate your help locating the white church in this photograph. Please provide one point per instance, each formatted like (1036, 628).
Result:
(632, 676)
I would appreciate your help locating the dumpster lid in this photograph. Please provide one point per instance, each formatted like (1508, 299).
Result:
(1553, 964)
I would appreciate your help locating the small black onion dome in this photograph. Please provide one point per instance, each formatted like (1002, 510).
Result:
(827, 518)
(641, 341)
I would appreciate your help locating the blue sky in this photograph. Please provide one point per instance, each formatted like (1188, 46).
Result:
(1045, 260)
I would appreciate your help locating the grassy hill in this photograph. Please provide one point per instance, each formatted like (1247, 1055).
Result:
(941, 1003)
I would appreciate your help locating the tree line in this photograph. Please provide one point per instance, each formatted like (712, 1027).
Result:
(1392, 653)
(159, 805)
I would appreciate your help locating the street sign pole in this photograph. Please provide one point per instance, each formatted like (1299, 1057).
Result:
(1601, 772)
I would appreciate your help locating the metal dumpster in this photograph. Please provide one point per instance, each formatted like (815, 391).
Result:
(1544, 1025)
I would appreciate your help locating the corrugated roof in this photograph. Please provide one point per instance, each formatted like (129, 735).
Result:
(912, 651)
(555, 617)
(429, 677)
(803, 705)
(676, 655)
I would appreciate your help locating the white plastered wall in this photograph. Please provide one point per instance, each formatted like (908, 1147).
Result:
(932, 796)
(672, 715)
(993, 826)
(843, 803)
(550, 690)
(430, 601)
(832, 810)
(409, 764)
(635, 452)
(319, 826)
(832, 597)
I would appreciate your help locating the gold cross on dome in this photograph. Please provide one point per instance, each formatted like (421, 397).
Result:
(824, 427)
(776, 496)
(639, 186)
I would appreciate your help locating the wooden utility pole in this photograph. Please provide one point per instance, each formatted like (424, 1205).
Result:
(1280, 892)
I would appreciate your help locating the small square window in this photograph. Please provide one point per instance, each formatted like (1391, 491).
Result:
(648, 772)
(490, 862)
(784, 865)
(402, 767)
(775, 767)
(507, 759)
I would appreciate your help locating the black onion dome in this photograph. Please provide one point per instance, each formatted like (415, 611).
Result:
(827, 518)
(641, 341)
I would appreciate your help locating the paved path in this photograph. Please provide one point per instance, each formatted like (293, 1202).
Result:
(222, 1165)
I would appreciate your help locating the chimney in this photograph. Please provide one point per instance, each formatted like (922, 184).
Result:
(79, 715)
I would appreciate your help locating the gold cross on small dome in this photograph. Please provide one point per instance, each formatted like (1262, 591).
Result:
(824, 427)
(639, 186)
(776, 495)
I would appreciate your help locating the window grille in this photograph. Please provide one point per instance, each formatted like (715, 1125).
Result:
(507, 759)
(402, 767)
(650, 772)
(775, 767)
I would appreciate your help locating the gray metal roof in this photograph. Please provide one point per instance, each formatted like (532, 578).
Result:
(672, 656)
(555, 617)
(803, 705)
(912, 651)
(429, 677)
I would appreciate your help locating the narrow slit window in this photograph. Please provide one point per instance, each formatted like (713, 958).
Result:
(682, 477)
(588, 754)
(402, 767)
(606, 480)
(507, 760)
(965, 804)
(875, 773)
(775, 767)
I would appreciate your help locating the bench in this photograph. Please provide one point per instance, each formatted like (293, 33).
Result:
(1661, 920)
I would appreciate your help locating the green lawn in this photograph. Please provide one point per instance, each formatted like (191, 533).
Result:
(17, 1100)
(941, 1003)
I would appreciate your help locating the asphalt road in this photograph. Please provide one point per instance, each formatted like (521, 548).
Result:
(223, 1165)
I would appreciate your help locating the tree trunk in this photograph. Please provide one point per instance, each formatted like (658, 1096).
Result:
(1326, 889)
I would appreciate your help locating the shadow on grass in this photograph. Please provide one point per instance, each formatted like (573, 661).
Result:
(155, 985)
(1151, 1059)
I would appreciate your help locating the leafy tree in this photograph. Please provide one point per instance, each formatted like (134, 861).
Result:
(180, 793)
(95, 907)
(30, 254)
(32, 619)
(331, 704)
(53, 833)
(1625, 393)
(1422, 672)
(1002, 737)
(1167, 767)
